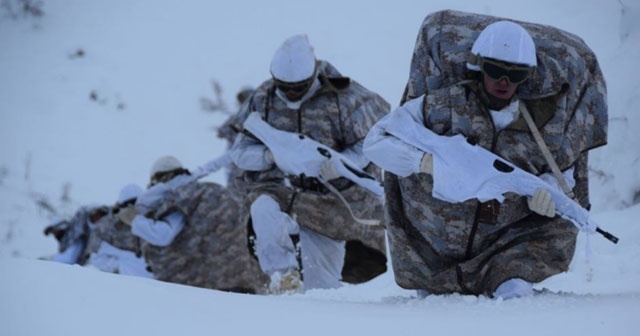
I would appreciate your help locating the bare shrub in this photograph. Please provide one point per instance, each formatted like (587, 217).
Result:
(19, 9)
(216, 104)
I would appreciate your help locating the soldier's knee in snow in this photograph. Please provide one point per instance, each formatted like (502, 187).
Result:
(263, 204)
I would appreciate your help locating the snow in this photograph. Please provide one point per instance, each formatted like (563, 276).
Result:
(148, 64)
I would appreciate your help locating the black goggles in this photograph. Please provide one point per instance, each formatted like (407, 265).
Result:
(496, 70)
(297, 88)
(166, 176)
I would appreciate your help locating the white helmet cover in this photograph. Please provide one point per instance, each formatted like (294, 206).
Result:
(294, 61)
(504, 41)
(165, 164)
(129, 192)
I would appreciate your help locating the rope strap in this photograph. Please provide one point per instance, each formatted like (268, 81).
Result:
(372, 222)
(545, 152)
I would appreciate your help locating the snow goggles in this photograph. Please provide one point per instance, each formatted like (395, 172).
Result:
(496, 70)
(295, 88)
(166, 176)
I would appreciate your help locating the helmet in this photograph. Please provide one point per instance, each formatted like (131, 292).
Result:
(165, 164)
(294, 61)
(129, 192)
(244, 93)
(504, 41)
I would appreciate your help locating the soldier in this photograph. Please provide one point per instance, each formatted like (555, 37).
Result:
(490, 248)
(111, 247)
(191, 233)
(310, 97)
(73, 234)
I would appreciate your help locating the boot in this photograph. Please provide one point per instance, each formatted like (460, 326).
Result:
(513, 288)
(288, 282)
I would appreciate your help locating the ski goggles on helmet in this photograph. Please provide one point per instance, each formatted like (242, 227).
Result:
(497, 70)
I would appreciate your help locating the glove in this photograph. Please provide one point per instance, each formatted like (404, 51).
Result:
(328, 170)
(426, 164)
(542, 204)
(127, 214)
(268, 156)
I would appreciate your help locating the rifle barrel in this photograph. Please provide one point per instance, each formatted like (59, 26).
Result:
(607, 235)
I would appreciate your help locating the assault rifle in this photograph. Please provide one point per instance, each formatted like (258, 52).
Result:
(456, 164)
(297, 154)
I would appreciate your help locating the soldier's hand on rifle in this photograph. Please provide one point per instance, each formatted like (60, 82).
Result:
(268, 156)
(426, 164)
(542, 204)
(127, 214)
(328, 170)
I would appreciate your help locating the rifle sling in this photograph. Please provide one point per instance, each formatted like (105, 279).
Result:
(372, 222)
(554, 166)
(545, 151)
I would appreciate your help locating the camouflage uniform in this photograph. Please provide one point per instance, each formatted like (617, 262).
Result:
(338, 115)
(78, 229)
(212, 249)
(473, 247)
(111, 230)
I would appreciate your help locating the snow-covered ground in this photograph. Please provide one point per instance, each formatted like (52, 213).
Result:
(93, 92)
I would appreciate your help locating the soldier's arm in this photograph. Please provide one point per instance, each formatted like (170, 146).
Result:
(390, 153)
(158, 232)
(249, 154)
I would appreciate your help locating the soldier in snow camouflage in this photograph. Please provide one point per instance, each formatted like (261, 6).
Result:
(98, 237)
(111, 229)
(111, 247)
(207, 247)
(491, 248)
(212, 250)
(73, 234)
(337, 112)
